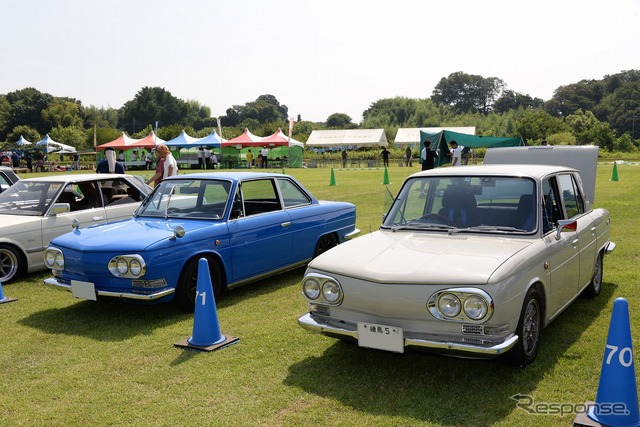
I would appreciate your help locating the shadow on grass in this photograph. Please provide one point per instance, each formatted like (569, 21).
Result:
(118, 320)
(438, 389)
(104, 320)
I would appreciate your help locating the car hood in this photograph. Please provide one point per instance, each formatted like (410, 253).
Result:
(408, 257)
(135, 234)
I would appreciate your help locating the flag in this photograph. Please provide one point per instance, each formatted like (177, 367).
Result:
(95, 138)
(290, 128)
(219, 128)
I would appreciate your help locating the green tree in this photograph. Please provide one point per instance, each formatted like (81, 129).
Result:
(70, 135)
(339, 121)
(587, 129)
(467, 93)
(27, 132)
(151, 106)
(264, 109)
(63, 112)
(26, 108)
(538, 124)
(511, 100)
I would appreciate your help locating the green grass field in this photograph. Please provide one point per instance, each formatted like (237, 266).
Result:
(72, 362)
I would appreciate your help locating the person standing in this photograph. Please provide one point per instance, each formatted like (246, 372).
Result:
(264, 153)
(428, 156)
(249, 159)
(456, 154)
(200, 158)
(149, 160)
(109, 164)
(214, 160)
(76, 161)
(207, 158)
(408, 153)
(344, 158)
(166, 166)
(385, 157)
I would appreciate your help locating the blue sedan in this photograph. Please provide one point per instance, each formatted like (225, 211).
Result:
(247, 225)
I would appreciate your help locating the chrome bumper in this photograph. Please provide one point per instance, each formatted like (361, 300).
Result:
(351, 235)
(467, 350)
(126, 295)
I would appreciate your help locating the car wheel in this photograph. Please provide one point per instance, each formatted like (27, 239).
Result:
(325, 243)
(593, 290)
(10, 263)
(528, 330)
(185, 295)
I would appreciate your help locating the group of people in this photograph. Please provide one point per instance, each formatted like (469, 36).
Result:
(429, 156)
(166, 164)
(207, 159)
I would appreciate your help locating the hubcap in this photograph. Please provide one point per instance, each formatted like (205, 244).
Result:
(531, 327)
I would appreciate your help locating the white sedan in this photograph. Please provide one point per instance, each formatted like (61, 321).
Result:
(35, 210)
(471, 261)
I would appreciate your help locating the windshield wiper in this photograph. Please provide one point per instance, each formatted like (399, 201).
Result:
(166, 209)
(501, 228)
(420, 226)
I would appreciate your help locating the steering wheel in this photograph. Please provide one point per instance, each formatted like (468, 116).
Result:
(437, 219)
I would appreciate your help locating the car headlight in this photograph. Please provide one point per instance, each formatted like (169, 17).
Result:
(449, 305)
(54, 259)
(130, 266)
(322, 289)
(311, 289)
(461, 305)
(475, 307)
(331, 291)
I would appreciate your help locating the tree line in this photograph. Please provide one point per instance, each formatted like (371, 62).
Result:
(601, 112)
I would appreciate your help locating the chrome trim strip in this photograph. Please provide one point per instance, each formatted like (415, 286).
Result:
(310, 324)
(351, 235)
(126, 295)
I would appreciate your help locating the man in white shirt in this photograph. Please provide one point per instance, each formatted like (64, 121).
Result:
(456, 154)
(264, 153)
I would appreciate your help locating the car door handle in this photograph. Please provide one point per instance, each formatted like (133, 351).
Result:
(593, 231)
(574, 242)
(285, 224)
(97, 218)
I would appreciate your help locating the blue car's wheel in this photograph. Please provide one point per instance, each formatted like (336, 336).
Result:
(325, 243)
(185, 295)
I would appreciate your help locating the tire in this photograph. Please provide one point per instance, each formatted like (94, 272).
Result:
(325, 243)
(595, 286)
(529, 330)
(10, 263)
(185, 295)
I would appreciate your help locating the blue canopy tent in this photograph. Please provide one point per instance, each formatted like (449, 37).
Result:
(185, 147)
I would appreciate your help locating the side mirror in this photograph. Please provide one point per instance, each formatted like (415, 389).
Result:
(565, 225)
(59, 208)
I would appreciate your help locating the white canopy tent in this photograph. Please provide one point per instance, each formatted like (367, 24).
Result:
(52, 146)
(411, 136)
(348, 138)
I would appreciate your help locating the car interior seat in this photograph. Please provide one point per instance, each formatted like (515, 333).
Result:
(459, 206)
(526, 213)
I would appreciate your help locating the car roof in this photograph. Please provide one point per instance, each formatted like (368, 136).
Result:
(531, 171)
(228, 175)
(76, 177)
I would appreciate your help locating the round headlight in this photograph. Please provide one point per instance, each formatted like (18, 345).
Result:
(122, 266)
(49, 258)
(311, 289)
(331, 291)
(135, 267)
(59, 260)
(475, 307)
(449, 305)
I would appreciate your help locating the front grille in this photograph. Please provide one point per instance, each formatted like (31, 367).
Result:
(473, 329)
(321, 310)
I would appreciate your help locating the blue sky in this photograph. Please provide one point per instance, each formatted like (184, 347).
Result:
(316, 57)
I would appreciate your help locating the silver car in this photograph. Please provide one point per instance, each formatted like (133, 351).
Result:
(471, 261)
(35, 210)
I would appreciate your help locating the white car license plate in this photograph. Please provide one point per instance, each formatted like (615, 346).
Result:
(381, 337)
(83, 290)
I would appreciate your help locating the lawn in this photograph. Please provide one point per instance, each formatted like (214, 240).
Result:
(72, 362)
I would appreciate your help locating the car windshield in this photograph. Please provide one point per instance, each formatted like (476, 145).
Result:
(462, 204)
(30, 198)
(187, 198)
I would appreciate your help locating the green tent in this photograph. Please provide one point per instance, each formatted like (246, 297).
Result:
(441, 140)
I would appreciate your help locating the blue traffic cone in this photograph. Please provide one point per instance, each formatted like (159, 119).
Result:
(617, 398)
(206, 327)
(4, 299)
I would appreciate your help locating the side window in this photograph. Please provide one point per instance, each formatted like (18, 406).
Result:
(551, 211)
(119, 192)
(291, 194)
(571, 197)
(4, 183)
(259, 196)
